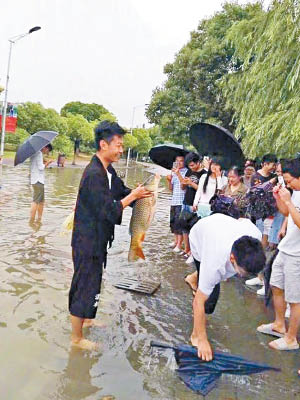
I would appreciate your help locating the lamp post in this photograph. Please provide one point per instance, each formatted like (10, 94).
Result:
(12, 41)
(131, 130)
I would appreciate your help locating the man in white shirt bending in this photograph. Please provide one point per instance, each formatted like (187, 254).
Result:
(222, 247)
(37, 180)
(285, 276)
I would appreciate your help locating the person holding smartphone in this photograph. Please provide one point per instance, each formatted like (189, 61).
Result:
(178, 192)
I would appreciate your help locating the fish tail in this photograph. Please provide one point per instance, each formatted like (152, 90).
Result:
(136, 251)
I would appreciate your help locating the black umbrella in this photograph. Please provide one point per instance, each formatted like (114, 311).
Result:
(202, 376)
(165, 154)
(214, 140)
(34, 144)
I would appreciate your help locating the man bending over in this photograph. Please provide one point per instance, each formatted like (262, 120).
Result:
(222, 247)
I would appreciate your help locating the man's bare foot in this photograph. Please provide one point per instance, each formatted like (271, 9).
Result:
(93, 322)
(85, 344)
(194, 340)
(191, 281)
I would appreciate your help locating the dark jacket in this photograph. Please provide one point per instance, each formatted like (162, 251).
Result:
(98, 209)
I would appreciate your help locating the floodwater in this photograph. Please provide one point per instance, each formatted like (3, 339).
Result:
(35, 271)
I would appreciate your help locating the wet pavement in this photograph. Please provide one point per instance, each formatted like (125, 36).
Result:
(36, 269)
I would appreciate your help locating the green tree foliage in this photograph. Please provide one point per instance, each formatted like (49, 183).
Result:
(90, 112)
(79, 128)
(130, 141)
(63, 144)
(144, 140)
(265, 91)
(191, 92)
(33, 117)
(16, 138)
(156, 135)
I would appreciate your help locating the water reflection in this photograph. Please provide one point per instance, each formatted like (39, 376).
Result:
(36, 269)
(76, 380)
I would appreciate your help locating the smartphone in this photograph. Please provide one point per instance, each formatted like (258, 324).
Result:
(175, 164)
(281, 181)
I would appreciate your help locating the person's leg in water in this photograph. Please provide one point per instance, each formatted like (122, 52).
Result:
(291, 273)
(84, 297)
(77, 338)
(33, 210)
(192, 279)
(87, 323)
(277, 285)
(37, 205)
(279, 308)
(186, 242)
(40, 210)
(179, 240)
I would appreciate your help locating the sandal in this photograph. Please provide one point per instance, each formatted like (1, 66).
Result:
(267, 329)
(281, 344)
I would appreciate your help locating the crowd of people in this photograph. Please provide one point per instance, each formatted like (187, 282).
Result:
(242, 215)
(223, 222)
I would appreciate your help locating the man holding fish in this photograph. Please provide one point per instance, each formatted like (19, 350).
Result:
(102, 196)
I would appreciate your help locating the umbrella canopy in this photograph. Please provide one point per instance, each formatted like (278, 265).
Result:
(165, 154)
(214, 140)
(201, 376)
(34, 144)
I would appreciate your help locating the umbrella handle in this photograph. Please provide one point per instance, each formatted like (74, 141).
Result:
(154, 343)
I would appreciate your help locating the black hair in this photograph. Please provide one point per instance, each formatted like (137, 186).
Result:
(49, 146)
(214, 160)
(191, 157)
(106, 130)
(269, 158)
(292, 167)
(249, 254)
(237, 170)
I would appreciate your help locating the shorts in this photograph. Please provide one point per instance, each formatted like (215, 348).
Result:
(275, 228)
(286, 276)
(174, 220)
(189, 209)
(38, 193)
(265, 225)
(86, 283)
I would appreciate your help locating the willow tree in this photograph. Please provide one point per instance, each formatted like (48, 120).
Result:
(265, 91)
(191, 92)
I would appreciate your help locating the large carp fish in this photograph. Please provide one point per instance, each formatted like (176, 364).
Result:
(142, 216)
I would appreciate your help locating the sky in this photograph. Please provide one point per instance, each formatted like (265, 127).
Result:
(110, 52)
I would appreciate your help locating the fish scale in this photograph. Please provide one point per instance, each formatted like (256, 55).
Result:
(142, 216)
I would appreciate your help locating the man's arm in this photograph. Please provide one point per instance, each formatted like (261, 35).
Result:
(170, 185)
(139, 192)
(285, 197)
(199, 336)
(282, 207)
(282, 231)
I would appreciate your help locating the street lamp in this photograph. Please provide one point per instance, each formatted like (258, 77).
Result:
(131, 129)
(12, 41)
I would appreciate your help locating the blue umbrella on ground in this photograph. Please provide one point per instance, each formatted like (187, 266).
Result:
(202, 376)
(165, 154)
(34, 144)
